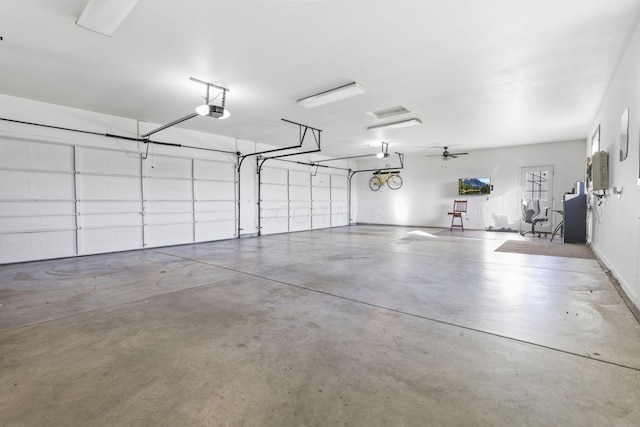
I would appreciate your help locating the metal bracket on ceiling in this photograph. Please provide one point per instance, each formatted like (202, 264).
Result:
(303, 129)
(346, 158)
(388, 168)
(207, 97)
(303, 132)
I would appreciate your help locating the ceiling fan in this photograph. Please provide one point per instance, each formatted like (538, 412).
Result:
(446, 155)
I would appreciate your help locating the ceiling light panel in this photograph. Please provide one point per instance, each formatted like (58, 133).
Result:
(395, 125)
(389, 112)
(105, 16)
(332, 95)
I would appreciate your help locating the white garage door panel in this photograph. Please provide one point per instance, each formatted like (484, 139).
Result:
(166, 235)
(300, 223)
(321, 194)
(94, 241)
(273, 192)
(299, 193)
(339, 214)
(215, 231)
(214, 170)
(340, 181)
(300, 209)
(299, 178)
(321, 221)
(88, 207)
(321, 213)
(168, 167)
(26, 208)
(210, 190)
(274, 176)
(35, 223)
(107, 162)
(321, 180)
(33, 155)
(110, 220)
(96, 187)
(215, 216)
(35, 185)
(274, 201)
(339, 220)
(168, 218)
(321, 208)
(338, 194)
(167, 189)
(274, 208)
(274, 217)
(151, 207)
(30, 246)
(339, 208)
(339, 200)
(204, 206)
(273, 226)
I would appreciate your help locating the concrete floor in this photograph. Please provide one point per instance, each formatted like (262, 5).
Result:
(355, 326)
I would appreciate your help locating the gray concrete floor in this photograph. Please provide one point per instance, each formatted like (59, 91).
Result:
(355, 326)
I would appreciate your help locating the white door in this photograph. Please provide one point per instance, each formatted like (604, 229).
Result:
(536, 182)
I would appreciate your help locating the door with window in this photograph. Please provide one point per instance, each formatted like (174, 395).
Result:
(536, 182)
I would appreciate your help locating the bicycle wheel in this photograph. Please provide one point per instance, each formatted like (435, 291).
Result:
(374, 183)
(394, 182)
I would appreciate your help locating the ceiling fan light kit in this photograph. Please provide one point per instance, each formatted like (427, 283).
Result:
(332, 95)
(446, 155)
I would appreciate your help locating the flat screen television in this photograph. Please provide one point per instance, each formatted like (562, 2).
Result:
(471, 186)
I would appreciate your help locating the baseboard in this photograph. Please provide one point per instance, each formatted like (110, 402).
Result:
(630, 298)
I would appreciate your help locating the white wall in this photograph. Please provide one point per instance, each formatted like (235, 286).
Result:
(616, 221)
(431, 185)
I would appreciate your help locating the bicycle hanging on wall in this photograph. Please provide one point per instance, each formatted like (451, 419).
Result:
(391, 178)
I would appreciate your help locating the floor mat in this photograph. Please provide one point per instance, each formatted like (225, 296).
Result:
(569, 250)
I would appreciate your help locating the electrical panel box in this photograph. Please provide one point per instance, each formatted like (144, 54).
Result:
(600, 170)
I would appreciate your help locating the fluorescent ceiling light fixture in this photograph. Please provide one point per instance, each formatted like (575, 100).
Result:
(105, 16)
(389, 112)
(332, 95)
(395, 125)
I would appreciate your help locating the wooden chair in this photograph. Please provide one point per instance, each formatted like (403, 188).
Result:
(459, 207)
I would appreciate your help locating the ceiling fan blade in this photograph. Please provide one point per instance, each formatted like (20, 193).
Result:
(458, 154)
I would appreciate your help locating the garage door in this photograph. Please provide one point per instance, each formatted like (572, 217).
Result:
(297, 200)
(58, 200)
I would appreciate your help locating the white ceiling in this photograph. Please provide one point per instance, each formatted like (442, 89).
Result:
(478, 74)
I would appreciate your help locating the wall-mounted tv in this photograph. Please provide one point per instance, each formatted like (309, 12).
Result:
(471, 186)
